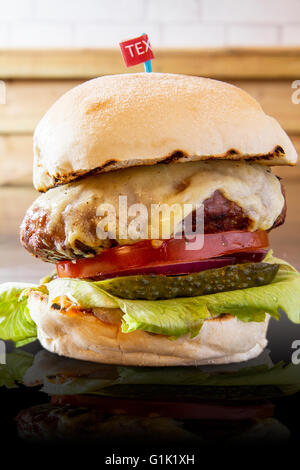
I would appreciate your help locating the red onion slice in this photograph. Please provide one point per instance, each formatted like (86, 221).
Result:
(191, 267)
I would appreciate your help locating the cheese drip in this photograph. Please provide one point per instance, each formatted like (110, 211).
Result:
(74, 206)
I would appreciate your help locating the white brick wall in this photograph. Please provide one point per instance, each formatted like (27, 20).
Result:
(170, 23)
(170, 11)
(251, 11)
(4, 35)
(291, 34)
(252, 35)
(89, 10)
(40, 34)
(107, 35)
(13, 10)
(193, 35)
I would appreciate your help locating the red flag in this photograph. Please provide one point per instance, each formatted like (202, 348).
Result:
(136, 51)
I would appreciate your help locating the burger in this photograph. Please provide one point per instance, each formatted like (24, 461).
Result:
(157, 203)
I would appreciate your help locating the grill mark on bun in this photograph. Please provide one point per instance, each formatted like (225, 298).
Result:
(174, 157)
(59, 180)
(232, 152)
(177, 155)
(279, 150)
(276, 152)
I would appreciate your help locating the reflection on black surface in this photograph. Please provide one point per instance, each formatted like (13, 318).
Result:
(65, 400)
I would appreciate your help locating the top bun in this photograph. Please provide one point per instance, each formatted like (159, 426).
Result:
(118, 121)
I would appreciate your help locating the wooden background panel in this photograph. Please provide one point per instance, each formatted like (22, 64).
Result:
(233, 63)
(28, 100)
(16, 158)
(275, 98)
(14, 202)
(17, 265)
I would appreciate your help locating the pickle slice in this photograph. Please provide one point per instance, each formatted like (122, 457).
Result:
(159, 287)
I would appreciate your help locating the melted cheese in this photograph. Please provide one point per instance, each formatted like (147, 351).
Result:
(74, 206)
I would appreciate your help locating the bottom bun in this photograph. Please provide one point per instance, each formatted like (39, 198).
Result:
(83, 336)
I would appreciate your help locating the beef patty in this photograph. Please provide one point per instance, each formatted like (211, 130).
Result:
(220, 215)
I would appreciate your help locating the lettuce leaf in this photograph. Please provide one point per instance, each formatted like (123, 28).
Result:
(151, 316)
(284, 265)
(15, 321)
(176, 317)
(80, 292)
(172, 317)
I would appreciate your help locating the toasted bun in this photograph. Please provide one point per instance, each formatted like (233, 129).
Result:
(220, 341)
(118, 121)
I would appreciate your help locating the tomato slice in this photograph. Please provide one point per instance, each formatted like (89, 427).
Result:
(153, 253)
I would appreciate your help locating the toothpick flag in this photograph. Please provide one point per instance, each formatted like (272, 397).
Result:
(137, 51)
